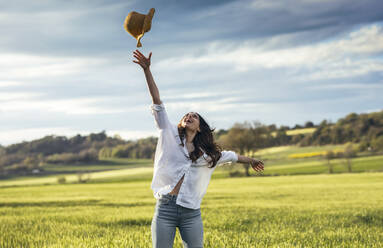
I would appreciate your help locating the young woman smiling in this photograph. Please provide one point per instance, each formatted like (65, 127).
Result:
(185, 158)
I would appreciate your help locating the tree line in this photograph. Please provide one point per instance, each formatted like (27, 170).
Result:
(365, 129)
(247, 137)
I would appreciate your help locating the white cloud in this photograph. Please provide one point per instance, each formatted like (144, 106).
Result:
(77, 106)
(348, 86)
(227, 105)
(10, 83)
(348, 56)
(27, 66)
(9, 96)
(28, 134)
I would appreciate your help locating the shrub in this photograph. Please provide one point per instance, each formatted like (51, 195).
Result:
(61, 180)
(377, 144)
(83, 177)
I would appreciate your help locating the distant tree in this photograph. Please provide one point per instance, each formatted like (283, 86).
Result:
(240, 139)
(309, 124)
(337, 135)
(77, 140)
(364, 145)
(219, 133)
(330, 155)
(272, 128)
(105, 152)
(348, 154)
(97, 136)
(284, 128)
(117, 136)
(377, 144)
(296, 139)
(306, 140)
(351, 118)
(297, 126)
(282, 138)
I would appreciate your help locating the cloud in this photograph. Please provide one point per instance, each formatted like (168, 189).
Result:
(348, 56)
(25, 66)
(6, 84)
(94, 28)
(18, 135)
(82, 106)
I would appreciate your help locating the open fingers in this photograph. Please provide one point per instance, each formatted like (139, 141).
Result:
(138, 58)
(139, 53)
(258, 166)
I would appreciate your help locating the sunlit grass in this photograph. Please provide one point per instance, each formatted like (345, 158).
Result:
(297, 131)
(72, 178)
(283, 152)
(343, 210)
(301, 131)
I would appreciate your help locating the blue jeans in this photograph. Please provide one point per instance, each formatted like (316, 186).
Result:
(167, 216)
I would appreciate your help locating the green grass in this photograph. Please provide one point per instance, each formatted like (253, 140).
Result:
(297, 131)
(127, 174)
(102, 165)
(316, 166)
(300, 131)
(341, 210)
(281, 153)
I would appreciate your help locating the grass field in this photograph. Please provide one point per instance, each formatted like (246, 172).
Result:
(115, 207)
(341, 210)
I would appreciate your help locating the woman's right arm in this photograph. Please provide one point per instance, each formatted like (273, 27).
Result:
(145, 64)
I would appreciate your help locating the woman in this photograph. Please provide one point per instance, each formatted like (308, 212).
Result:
(186, 156)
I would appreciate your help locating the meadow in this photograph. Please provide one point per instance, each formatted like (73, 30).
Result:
(342, 210)
(302, 207)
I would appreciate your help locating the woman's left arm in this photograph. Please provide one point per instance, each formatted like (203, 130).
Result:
(256, 164)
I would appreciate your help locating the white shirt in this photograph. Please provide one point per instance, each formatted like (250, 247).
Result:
(171, 162)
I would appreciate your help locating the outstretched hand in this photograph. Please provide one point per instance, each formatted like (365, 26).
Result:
(143, 61)
(257, 165)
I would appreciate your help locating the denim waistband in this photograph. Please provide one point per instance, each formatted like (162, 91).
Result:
(170, 197)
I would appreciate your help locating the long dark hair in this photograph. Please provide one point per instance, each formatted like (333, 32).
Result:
(203, 142)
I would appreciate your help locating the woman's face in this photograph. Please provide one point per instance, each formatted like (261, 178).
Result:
(191, 121)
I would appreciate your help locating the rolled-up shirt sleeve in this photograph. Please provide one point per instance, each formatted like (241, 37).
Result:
(160, 116)
(227, 157)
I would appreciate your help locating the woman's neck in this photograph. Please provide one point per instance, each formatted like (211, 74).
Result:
(190, 135)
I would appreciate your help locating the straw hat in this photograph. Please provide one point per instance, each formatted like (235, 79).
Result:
(137, 24)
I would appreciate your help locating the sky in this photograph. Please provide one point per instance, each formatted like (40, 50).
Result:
(66, 66)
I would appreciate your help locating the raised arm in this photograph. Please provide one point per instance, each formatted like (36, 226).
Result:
(158, 109)
(144, 62)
